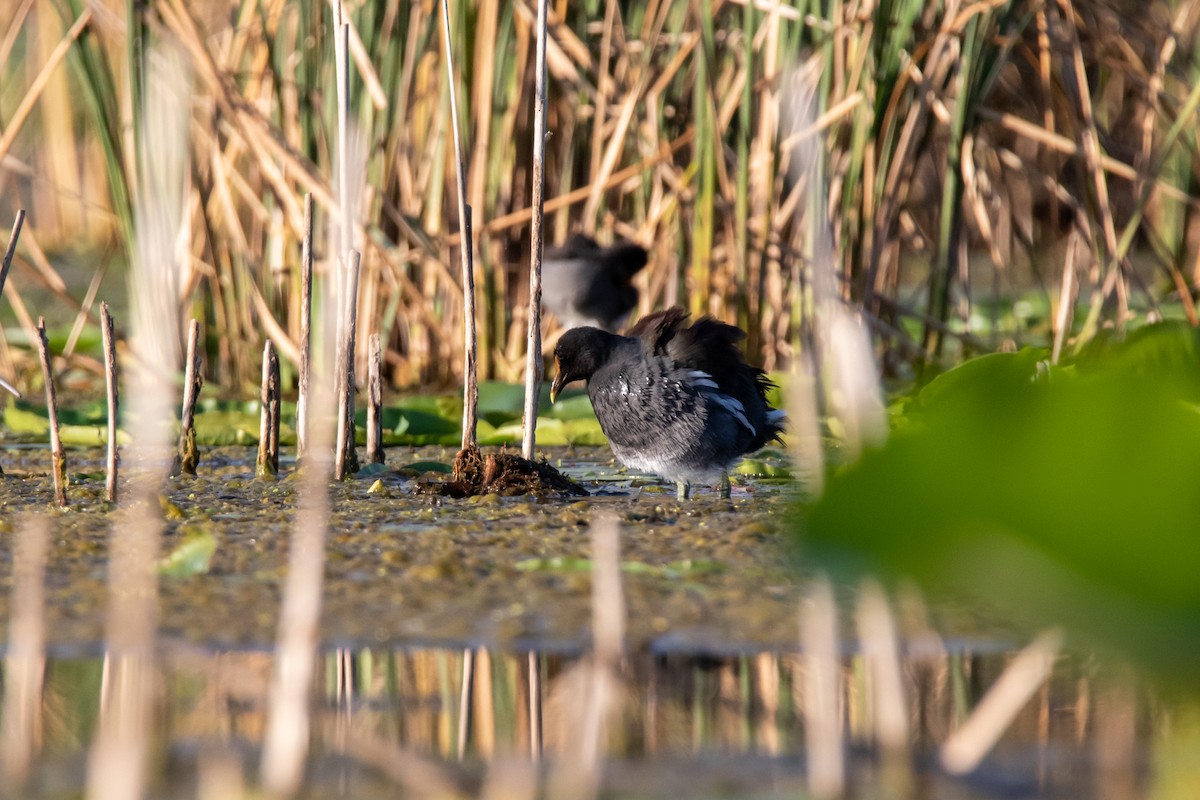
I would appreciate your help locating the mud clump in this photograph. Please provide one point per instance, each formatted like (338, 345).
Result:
(506, 474)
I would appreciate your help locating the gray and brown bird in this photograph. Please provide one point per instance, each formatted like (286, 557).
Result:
(674, 398)
(586, 284)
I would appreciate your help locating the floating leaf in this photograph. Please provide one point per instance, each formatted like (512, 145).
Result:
(572, 405)
(423, 420)
(676, 569)
(423, 467)
(756, 468)
(21, 420)
(223, 428)
(584, 432)
(169, 509)
(500, 402)
(192, 556)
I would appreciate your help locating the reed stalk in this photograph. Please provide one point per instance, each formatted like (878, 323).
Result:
(345, 457)
(267, 462)
(967, 746)
(466, 248)
(665, 123)
(305, 367)
(374, 402)
(465, 701)
(21, 726)
(578, 770)
(188, 454)
(57, 454)
(289, 723)
(11, 249)
(824, 748)
(118, 760)
(533, 344)
(113, 397)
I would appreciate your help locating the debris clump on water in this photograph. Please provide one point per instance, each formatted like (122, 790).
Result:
(506, 474)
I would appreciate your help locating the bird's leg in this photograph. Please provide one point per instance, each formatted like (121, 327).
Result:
(683, 490)
(726, 487)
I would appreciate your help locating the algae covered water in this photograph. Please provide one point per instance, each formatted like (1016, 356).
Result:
(455, 637)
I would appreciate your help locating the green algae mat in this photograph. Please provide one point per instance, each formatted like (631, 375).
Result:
(403, 566)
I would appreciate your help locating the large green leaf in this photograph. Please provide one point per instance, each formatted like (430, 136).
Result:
(1071, 499)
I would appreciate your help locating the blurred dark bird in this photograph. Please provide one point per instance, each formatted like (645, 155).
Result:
(586, 284)
(675, 399)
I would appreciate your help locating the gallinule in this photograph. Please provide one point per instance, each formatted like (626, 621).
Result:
(673, 398)
(586, 284)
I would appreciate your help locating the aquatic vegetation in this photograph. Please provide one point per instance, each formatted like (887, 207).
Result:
(1059, 495)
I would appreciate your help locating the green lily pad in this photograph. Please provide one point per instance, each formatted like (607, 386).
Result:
(500, 402)
(756, 468)
(423, 467)
(676, 569)
(32, 422)
(572, 405)
(192, 556)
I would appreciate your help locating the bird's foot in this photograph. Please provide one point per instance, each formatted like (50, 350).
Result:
(726, 486)
(683, 490)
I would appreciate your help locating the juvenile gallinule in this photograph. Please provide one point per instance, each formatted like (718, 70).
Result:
(673, 398)
(586, 284)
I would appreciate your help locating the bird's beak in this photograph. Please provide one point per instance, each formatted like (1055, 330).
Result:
(558, 383)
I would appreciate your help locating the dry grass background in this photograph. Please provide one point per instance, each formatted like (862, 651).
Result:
(973, 149)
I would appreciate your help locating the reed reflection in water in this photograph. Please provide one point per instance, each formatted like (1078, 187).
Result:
(685, 724)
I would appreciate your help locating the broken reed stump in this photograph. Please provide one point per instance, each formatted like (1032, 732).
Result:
(114, 401)
(189, 455)
(374, 401)
(268, 429)
(59, 465)
(306, 273)
(345, 457)
(276, 410)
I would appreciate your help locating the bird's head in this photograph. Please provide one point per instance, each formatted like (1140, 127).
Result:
(577, 356)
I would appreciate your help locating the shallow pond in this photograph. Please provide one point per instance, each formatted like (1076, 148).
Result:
(421, 591)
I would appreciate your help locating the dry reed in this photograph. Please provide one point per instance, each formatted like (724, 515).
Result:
(823, 738)
(113, 397)
(25, 658)
(533, 343)
(267, 462)
(591, 694)
(967, 746)
(374, 401)
(667, 129)
(188, 454)
(58, 460)
(118, 765)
